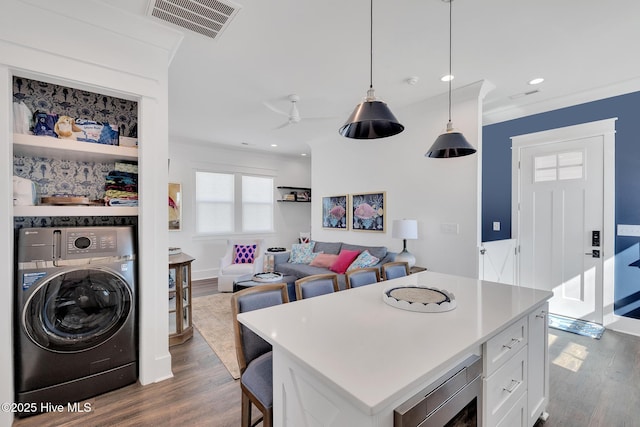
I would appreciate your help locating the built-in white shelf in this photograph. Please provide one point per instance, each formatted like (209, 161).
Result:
(46, 146)
(46, 210)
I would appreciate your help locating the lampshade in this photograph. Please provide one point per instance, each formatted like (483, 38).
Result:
(405, 229)
(372, 118)
(450, 144)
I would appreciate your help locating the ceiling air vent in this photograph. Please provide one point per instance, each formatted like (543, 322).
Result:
(206, 17)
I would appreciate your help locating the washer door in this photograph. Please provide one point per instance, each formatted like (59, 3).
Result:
(77, 310)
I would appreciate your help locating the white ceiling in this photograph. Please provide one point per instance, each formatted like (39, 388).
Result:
(319, 50)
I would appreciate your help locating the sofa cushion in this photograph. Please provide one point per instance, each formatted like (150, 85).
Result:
(302, 253)
(345, 258)
(328, 247)
(377, 251)
(364, 260)
(300, 270)
(323, 260)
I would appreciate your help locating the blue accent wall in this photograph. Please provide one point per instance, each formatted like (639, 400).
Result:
(496, 180)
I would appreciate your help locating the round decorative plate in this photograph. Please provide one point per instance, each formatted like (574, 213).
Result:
(267, 277)
(419, 298)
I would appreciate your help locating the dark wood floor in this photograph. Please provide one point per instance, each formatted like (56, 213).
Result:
(593, 383)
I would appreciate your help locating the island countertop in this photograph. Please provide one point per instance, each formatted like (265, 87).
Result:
(373, 353)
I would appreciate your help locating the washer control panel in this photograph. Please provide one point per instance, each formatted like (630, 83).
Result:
(81, 242)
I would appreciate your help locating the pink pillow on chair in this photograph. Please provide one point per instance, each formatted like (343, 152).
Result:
(345, 258)
(244, 254)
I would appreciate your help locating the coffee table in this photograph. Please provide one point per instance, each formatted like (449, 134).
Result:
(244, 282)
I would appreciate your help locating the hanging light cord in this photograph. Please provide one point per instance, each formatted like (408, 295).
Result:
(450, 73)
(371, 47)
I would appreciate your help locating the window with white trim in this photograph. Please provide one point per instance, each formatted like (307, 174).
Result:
(229, 203)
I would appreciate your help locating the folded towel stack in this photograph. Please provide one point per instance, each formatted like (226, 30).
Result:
(121, 187)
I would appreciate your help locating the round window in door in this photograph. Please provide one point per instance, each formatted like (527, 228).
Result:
(77, 310)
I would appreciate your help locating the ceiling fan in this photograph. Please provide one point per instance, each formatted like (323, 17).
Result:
(293, 116)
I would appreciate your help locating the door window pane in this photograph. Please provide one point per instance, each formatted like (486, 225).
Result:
(560, 166)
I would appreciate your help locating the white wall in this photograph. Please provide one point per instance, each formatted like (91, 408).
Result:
(433, 191)
(289, 218)
(36, 43)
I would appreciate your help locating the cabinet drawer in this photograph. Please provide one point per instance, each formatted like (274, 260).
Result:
(517, 416)
(503, 389)
(504, 345)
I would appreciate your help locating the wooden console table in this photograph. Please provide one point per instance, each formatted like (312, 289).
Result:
(180, 324)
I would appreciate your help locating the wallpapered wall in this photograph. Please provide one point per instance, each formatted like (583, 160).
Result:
(67, 177)
(63, 177)
(79, 104)
(72, 221)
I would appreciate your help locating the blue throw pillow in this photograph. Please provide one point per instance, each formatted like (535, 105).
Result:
(302, 253)
(364, 260)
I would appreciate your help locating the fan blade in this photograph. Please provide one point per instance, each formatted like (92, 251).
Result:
(285, 124)
(274, 109)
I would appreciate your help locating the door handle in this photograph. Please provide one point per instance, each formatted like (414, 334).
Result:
(594, 253)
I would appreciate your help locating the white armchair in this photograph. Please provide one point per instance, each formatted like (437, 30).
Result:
(229, 271)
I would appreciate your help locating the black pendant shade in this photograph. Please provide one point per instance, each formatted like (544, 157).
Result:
(450, 144)
(371, 119)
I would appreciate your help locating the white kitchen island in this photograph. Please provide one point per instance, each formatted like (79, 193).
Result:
(349, 359)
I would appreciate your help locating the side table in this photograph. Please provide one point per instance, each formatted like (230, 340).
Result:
(180, 324)
(244, 282)
(269, 260)
(416, 269)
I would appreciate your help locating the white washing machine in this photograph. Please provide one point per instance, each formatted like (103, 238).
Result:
(75, 314)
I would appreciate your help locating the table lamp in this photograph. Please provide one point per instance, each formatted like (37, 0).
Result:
(405, 229)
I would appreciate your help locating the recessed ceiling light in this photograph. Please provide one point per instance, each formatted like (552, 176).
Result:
(274, 145)
(447, 78)
(536, 81)
(303, 154)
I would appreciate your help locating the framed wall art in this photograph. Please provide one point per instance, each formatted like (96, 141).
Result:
(368, 212)
(175, 206)
(335, 212)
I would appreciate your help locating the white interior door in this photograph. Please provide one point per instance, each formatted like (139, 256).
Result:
(560, 223)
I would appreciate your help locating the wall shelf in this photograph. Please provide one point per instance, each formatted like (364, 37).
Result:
(296, 194)
(47, 210)
(46, 146)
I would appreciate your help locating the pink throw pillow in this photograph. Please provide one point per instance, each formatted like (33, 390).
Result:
(324, 260)
(244, 254)
(345, 258)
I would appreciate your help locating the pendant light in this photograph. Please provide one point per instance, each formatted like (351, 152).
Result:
(371, 118)
(451, 143)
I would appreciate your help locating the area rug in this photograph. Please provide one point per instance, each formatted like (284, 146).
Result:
(576, 326)
(212, 318)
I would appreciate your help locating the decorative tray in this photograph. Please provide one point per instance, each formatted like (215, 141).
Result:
(267, 277)
(65, 200)
(419, 298)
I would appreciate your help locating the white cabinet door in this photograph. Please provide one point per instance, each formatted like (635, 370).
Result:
(538, 390)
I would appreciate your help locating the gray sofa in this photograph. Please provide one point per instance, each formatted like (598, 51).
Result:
(302, 270)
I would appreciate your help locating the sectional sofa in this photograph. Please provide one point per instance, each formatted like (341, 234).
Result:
(284, 265)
